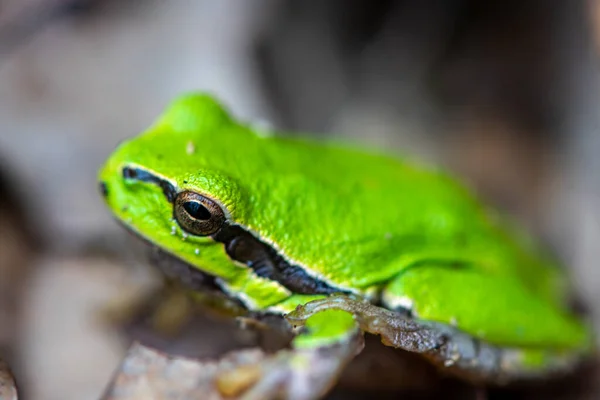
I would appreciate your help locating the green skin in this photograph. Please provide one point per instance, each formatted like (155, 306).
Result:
(398, 234)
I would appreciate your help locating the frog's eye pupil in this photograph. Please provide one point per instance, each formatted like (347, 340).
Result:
(196, 210)
(197, 214)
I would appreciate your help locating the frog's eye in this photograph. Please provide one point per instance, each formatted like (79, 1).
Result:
(198, 215)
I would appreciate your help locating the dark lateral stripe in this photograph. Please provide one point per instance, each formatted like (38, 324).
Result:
(243, 247)
(139, 174)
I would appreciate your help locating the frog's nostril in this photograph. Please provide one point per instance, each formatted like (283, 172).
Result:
(130, 173)
(103, 189)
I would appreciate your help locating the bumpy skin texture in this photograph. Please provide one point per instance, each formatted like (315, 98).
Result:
(363, 222)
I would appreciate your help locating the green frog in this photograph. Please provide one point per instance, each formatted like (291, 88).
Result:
(339, 241)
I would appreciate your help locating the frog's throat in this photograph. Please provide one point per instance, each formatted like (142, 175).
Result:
(243, 247)
(177, 269)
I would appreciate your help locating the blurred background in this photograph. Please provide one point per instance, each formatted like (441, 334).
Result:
(506, 94)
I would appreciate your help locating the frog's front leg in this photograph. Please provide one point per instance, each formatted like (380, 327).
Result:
(327, 342)
(441, 325)
(441, 344)
(395, 329)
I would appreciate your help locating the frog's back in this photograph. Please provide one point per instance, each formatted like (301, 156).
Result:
(353, 217)
(421, 217)
(404, 210)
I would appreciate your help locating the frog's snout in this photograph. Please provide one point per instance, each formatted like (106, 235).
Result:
(103, 188)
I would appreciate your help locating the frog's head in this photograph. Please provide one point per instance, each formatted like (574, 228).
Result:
(191, 186)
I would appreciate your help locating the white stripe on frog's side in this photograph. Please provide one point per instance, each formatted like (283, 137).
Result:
(396, 303)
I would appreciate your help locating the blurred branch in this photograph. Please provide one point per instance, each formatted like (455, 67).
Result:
(8, 388)
(247, 373)
(147, 373)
